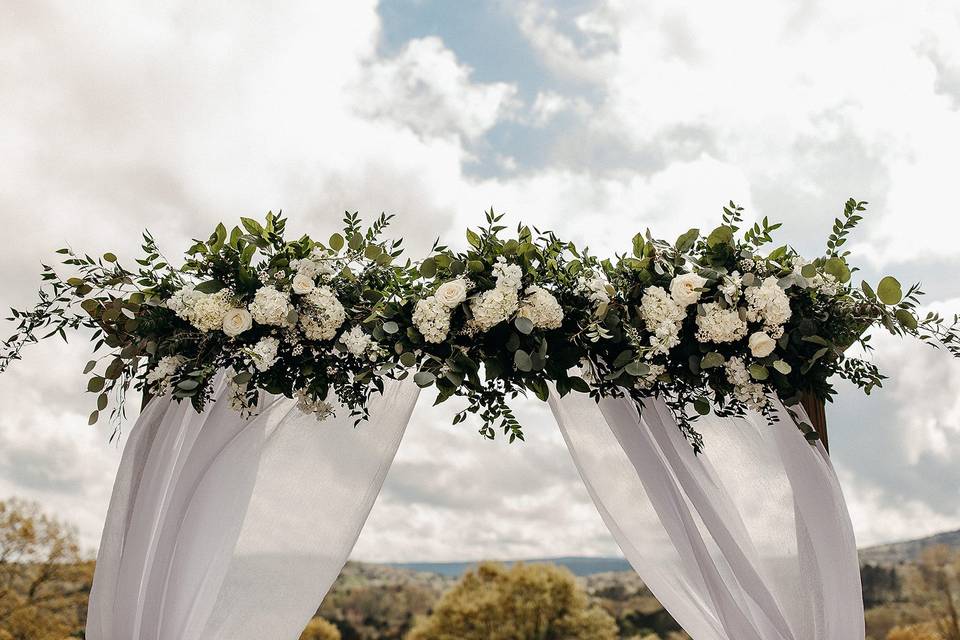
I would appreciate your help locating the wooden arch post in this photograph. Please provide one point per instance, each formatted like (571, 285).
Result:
(816, 409)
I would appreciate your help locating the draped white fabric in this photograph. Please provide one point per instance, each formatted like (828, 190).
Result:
(222, 528)
(750, 540)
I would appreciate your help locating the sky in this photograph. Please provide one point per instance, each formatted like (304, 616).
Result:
(595, 118)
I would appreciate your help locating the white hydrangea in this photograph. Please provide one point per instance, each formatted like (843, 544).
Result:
(270, 306)
(663, 318)
(323, 314)
(595, 288)
(321, 409)
(316, 266)
(509, 276)
(160, 376)
(541, 308)
(768, 303)
(205, 311)
(744, 388)
(432, 319)
(717, 324)
(356, 340)
(264, 353)
(492, 307)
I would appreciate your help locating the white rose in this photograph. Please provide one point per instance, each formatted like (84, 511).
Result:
(683, 288)
(452, 293)
(302, 284)
(761, 345)
(236, 321)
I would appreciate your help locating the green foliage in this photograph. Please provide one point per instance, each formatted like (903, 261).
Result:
(509, 313)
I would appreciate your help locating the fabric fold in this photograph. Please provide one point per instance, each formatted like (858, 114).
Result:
(225, 528)
(751, 539)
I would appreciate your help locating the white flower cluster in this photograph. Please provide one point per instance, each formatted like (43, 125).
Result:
(595, 288)
(744, 388)
(271, 306)
(717, 324)
(541, 308)
(356, 340)
(205, 311)
(264, 353)
(769, 304)
(316, 266)
(323, 314)
(663, 318)
(308, 405)
(492, 307)
(431, 315)
(160, 376)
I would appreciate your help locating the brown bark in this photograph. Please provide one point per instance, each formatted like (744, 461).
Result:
(818, 416)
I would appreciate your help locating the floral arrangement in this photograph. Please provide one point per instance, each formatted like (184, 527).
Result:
(710, 322)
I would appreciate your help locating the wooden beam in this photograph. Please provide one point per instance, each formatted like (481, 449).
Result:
(818, 416)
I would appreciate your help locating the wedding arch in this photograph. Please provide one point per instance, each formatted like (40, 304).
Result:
(682, 377)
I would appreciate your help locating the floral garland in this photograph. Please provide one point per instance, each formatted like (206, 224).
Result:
(708, 322)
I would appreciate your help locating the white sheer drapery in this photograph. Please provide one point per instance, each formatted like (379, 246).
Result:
(222, 528)
(750, 540)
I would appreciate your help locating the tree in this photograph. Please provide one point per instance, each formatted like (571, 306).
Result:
(913, 632)
(526, 602)
(935, 584)
(320, 629)
(43, 581)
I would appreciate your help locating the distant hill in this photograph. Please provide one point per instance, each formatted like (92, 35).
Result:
(885, 554)
(579, 566)
(907, 551)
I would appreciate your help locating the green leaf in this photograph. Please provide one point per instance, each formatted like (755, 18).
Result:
(109, 257)
(622, 359)
(837, 267)
(782, 367)
(391, 327)
(252, 226)
(356, 241)
(102, 402)
(721, 235)
(336, 242)
(637, 369)
(372, 251)
(428, 268)
(638, 245)
(702, 406)
(686, 241)
(188, 385)
(93, 418)
(424, 378)
(759, 372)
(868, 290)
(522, 360)
(210, 286)
(475, 266)
(906, 319)
(889, 291)
(408, 359)
(578, 384)
(90, 366)
(711, 360)
(95, 384)
(808, 270)
(243, 377)
(523, 325)
(473, 238)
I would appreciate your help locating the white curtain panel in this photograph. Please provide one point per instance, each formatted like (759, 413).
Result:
(750, 540)
(222, 528)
